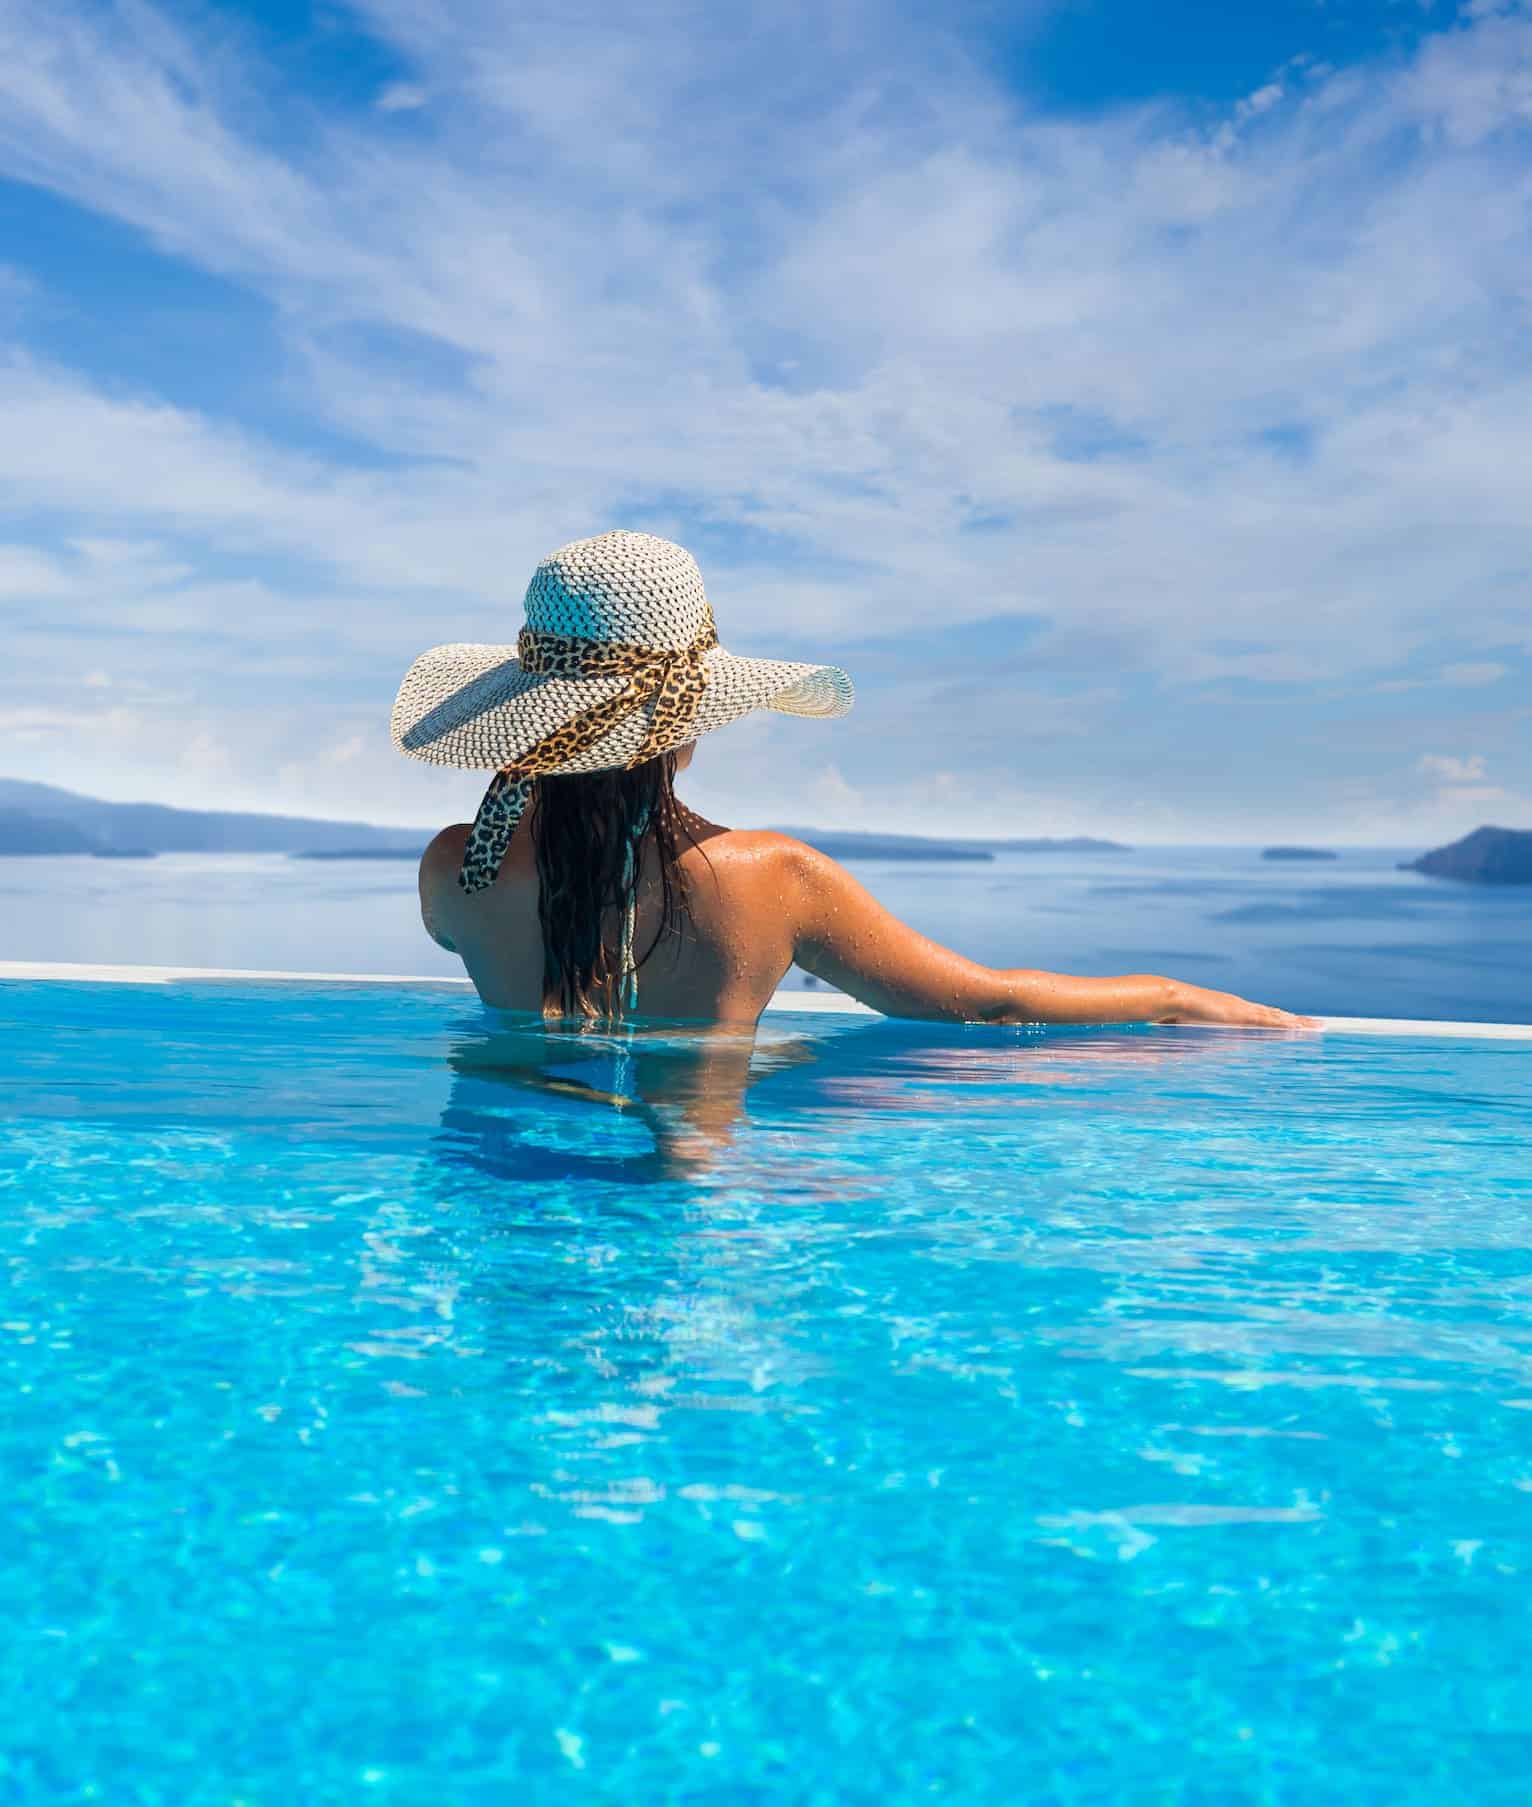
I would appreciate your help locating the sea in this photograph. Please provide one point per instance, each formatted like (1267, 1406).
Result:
(1355, 936)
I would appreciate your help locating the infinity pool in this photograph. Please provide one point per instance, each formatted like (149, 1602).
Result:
(403, 1410)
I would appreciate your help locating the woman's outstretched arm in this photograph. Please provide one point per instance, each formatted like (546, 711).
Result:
(844, 936)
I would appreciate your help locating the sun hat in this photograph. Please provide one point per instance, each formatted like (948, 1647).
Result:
(618, 662)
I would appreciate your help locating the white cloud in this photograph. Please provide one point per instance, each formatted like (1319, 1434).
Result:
(400, 97)
(1248, 404)
(1261, 101)
(830, 798)
(1450, 768)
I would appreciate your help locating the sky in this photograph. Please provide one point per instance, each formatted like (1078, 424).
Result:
(1135, 396)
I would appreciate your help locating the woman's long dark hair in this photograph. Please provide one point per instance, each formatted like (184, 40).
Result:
(590, 831)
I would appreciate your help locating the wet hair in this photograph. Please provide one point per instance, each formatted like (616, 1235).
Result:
(589, 832)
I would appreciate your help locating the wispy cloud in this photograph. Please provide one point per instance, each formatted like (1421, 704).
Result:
(1451, 768)
(1240, 401)
(400, 97)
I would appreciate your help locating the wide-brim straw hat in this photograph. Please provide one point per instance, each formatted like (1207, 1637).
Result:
(480, 707)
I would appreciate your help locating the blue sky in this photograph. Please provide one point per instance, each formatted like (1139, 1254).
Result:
(1136, 397)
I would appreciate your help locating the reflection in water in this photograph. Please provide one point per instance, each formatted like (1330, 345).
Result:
(687, 1084)
(586, 1210)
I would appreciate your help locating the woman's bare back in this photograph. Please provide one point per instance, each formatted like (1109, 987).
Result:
(722, 968)
(758, 902)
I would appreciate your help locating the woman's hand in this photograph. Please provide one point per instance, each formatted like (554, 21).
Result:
(1194, 1004)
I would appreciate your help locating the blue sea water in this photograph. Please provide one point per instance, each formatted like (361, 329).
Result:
(1356, 937)
(879, 1414)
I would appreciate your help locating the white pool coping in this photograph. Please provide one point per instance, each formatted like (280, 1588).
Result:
(828, 1002)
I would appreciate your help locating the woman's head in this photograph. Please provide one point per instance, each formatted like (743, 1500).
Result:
(591, 832)
(618, 662)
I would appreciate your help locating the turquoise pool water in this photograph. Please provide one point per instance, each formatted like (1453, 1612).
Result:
(902, 1414)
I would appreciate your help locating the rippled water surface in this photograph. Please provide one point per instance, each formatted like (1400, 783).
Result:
(403, 1410)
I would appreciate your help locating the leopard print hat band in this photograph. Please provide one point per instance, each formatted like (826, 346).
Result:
(669, 684)
(618, 661)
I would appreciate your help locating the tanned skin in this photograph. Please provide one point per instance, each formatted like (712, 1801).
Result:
(759, 903)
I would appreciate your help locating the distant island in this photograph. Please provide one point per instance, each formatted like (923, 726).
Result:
(840, 844)
(850, 844)
(21, 832)
(857, 844)
(42, 819)
(360, 853)
(1488, 856)
(1298, 853)
(1077, 843)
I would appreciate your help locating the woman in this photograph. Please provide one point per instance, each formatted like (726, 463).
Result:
(585, 888)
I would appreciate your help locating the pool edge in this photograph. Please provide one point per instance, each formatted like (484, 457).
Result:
(816, 1002)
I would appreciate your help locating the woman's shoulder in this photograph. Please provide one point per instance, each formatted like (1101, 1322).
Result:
(793, 877)
(438, 869)
(442, 859)
(764, 847)
(446, 849)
